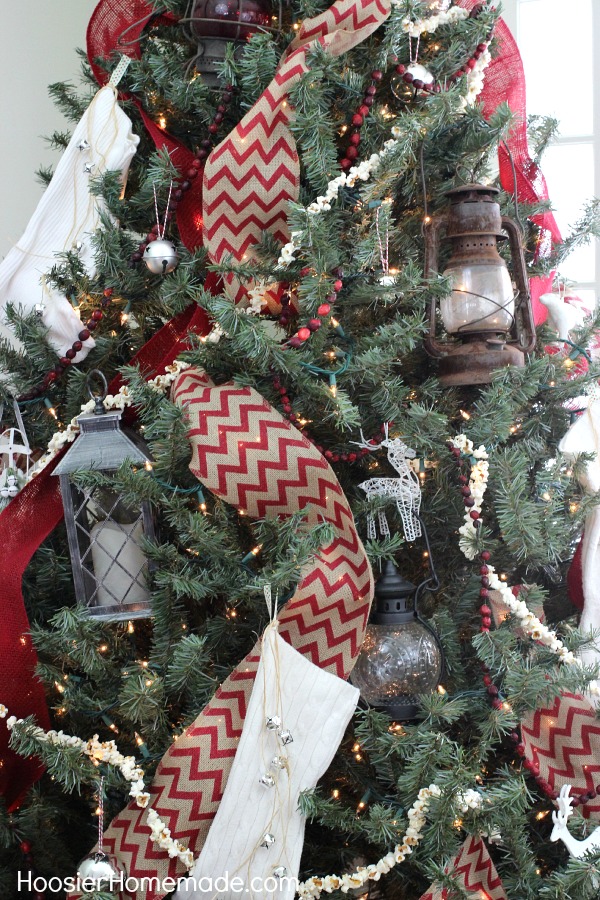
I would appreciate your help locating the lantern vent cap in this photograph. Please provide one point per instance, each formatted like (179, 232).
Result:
(394, 597)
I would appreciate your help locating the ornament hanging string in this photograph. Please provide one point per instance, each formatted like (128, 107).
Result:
(160, 233)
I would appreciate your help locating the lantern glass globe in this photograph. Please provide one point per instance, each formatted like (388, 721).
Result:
(396, 664)
(482, 300)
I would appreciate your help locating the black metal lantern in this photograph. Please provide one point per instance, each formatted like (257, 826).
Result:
(489, 323)
(401, 656)
(215, 23)
(105, 533)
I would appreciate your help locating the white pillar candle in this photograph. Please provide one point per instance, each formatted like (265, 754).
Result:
(122, 581)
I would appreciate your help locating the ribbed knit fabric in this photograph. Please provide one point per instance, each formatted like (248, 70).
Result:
(66, 217)
(315, 707)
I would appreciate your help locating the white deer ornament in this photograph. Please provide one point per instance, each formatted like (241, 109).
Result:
(560, 832)
(405, 490)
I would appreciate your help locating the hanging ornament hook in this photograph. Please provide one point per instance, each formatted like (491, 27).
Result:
(98, 398)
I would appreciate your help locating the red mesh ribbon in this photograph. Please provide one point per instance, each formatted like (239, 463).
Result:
(116, 28)
(505, 83)
(24, 525)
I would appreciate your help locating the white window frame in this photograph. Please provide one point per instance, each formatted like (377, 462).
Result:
(510, 14)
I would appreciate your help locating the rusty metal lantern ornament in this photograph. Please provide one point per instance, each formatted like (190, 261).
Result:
(215, 23)
(488, 320)
(104, 532)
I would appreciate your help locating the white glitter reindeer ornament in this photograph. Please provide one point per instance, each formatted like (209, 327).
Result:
(405, 490)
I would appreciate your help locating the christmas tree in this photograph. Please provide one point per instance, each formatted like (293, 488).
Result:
(279, 234)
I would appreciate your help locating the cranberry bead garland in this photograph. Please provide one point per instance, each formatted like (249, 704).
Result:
(65, 361)
(293, 417)
(187, 178)
(358, 119)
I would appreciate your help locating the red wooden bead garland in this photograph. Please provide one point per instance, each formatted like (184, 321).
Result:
(92, 323)
(289, 413)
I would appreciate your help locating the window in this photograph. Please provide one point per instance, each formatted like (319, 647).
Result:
(559, 43)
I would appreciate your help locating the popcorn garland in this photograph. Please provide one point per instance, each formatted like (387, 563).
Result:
(107, 752)
(120, 400)
(314, 887)
(462, 446)
(415, 28)
(365, 169)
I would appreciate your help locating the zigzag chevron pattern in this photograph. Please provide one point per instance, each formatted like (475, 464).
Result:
(564, 740)
(474, 872)
(252, 175)
(245, 452)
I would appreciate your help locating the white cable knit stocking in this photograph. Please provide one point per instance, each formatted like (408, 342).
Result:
(314, 707)
(65, 218)
(584, 437)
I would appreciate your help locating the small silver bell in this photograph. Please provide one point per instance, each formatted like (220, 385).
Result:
(161, 257)
(285, 737)
(39, 309)
(279, 871)
(99, 870)
(273, 723)
(83, 145)
(88, 168)
(268, 840)
(267, 779)
(279, 762)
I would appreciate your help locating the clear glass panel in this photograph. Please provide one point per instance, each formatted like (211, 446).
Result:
(569, 171)
(552, 32)
(482, 300)
(113, 564)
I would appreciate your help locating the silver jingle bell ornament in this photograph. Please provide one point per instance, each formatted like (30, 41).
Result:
(268, 840)
(267, 780)
(99, 870)
(285, 737)
(161, 257)
(273, 722)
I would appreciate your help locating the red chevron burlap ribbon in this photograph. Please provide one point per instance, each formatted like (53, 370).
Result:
(245, 452)
(252, 175)
(474, 872)
(564, 740)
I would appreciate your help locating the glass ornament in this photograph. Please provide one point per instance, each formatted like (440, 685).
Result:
(401, 656)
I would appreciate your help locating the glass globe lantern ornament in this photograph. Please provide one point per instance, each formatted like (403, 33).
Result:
(215, 23)
(401, 656)
(488, 323)
(104, 532)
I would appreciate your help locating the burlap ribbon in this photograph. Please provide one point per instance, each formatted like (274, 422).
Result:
(245, 452)
(474, 872)
(563, 738)
(250, 178)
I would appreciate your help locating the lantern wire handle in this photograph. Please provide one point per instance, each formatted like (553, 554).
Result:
(97, 398)
(431, 583)
(515, 196)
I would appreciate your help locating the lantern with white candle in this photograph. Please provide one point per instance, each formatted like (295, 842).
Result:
(106, 534)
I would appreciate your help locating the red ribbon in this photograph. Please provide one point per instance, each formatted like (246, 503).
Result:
(24, 525)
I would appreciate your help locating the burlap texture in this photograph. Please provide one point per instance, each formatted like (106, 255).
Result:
(245, 452)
